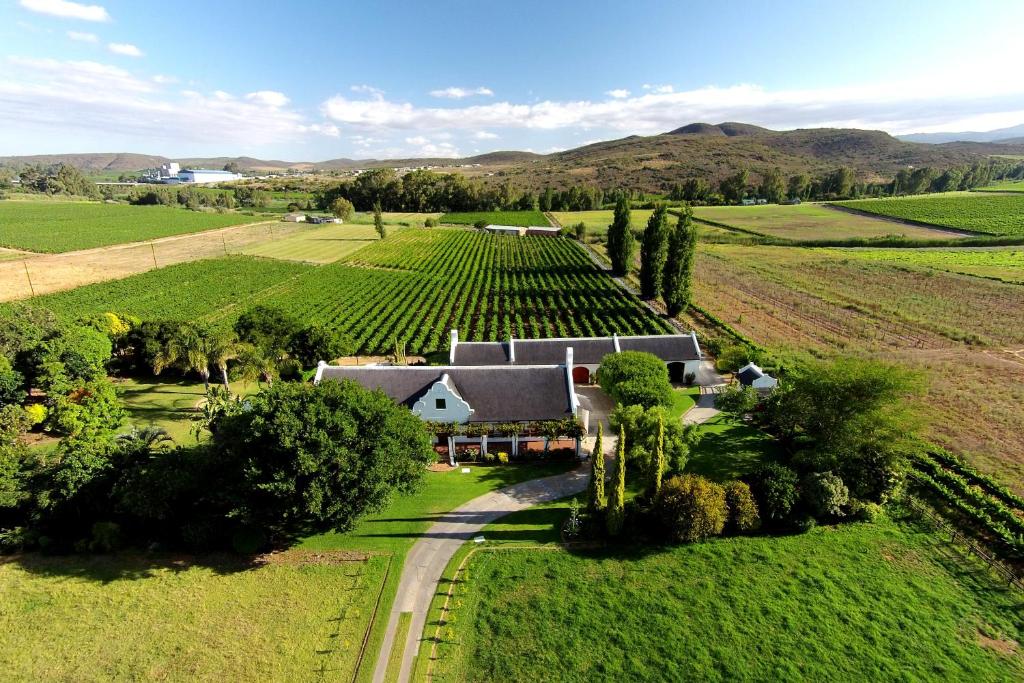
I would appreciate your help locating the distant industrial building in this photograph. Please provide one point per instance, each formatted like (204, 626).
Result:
(171, 174)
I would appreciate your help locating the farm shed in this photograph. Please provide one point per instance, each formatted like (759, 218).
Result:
(542, 231)
(751, 375)
(294, 217)
(484, 396)
(680, 352)
(513, 230)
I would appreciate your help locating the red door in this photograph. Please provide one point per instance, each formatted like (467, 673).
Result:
(580, 375)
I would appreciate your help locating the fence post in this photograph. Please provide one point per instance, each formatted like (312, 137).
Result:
(30, 286)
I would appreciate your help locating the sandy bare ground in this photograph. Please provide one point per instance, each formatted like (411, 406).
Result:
(34, 274)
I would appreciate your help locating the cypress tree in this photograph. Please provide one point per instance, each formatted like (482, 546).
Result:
(678, 280)
(621, 242)
(617, 501)
(378, 221)
(659, 455)
(653, 253)
(595, 494)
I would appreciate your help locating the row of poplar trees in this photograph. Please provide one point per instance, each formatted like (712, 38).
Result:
(666, 254)
(614, 509)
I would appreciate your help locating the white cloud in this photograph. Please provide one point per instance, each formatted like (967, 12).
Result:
(658, 89)
(271, 98)
(618, 93)
(455, 93)
(377, 93)
(418, 140)
(83, 37)
(125, 49)
(88, 96)
(484, 135)
(945, 99)
(67, 10)
(164, 80)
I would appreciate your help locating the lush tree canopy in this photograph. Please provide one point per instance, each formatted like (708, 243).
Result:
(635, 378)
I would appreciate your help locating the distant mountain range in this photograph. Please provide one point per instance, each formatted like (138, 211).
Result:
(653, 163)
(1011, 135)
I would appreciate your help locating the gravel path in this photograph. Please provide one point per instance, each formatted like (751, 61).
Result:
(430, 555)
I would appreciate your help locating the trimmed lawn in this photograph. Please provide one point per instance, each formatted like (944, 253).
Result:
(856, 602)
(130, 618)
(683, 398)
(729, 450)
(168, 403)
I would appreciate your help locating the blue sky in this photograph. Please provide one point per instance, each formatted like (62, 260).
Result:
(319, 80)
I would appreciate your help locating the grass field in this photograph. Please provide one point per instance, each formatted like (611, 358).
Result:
(184, 291)
(993, 214)
(68, 226)
(962, 332)
(324, 244)
(1003, 186)
(394, 218)
(168, 403)
(597, 222)
(809, 222)
(522, 218)
(857, 602)
(122, 617)
(413, 286)
(1000, 263)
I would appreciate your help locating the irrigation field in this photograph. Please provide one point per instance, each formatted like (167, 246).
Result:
(412, 287)
(522, 218)
(992, 214)
(54, 227)
(318, 245)
(963, 332)
(809, 222)
(1005, 264)
(1003, 186)
(597, 222)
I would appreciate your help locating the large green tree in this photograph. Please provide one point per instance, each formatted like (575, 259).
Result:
(635, 378)
(621, 242)
(677, 285)
(653, 253)
(311, 458)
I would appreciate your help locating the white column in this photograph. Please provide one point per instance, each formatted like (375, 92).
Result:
(483, 445)
(451, 451)
(515, 444)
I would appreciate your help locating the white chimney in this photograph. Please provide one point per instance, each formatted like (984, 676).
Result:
(615, 342)
(451, 349)
(568, 359)
(511, 349)
(573, 401)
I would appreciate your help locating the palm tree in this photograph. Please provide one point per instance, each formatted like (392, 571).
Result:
(145, 440)
(221, 348)
(256, 364)
(188, 347)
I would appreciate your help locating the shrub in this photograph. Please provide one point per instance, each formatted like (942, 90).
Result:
(642, 426)
(36, 414)
(480, 224)
(732, 358)
(689, 378)
(805, 524)
(866, 511)
(743, 514)
(736, 401)
(635, 378)
(430, 223)
(502, 458)
(692, 508)
(774, 489)
(825, 494)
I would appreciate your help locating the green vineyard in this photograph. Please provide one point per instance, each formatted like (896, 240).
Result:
(991, 214)
(412, 288)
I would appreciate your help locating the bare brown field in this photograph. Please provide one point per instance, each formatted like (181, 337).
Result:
(965, 333)
(55, 272)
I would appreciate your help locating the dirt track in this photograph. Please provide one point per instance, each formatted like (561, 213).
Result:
(21, 278)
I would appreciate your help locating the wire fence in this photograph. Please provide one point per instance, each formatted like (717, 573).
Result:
(957, 537)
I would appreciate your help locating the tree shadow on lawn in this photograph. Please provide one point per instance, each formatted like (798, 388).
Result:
(128, 565)
(730, 450)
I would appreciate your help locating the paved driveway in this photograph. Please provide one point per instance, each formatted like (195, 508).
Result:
(430, 555)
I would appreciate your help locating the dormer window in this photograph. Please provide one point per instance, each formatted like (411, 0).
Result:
(439, 404)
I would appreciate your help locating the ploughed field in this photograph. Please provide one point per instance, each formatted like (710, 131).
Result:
(410, 288)
(966, 333)
(985, 213)
(810, 222)
(53, 227)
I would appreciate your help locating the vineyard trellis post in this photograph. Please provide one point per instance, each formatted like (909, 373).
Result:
(31, 288)
(152, 250)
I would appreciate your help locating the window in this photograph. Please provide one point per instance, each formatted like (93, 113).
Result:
(440, 404)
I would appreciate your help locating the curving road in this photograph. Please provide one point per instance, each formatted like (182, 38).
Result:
(430, 555)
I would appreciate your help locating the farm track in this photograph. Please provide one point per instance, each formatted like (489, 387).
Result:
(38, 273)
